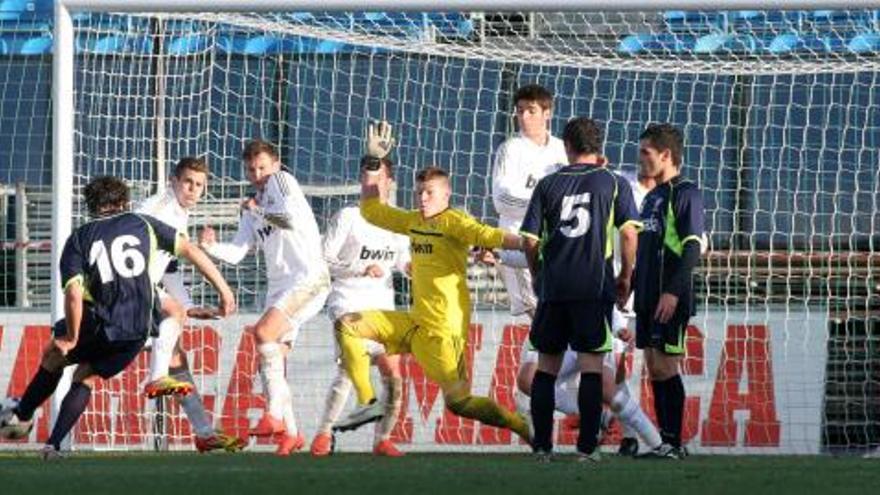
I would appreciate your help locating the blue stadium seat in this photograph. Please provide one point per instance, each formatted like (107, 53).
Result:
(865, 43)
(727, 43)
(187, 44)
(312, 45)
(668, 43)
(4, 48)
(39, 45)
(256, 45)
(12, 10)
(795, 42)
(116, 44)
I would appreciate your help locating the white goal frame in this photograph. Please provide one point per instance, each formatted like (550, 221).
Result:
(63, 158)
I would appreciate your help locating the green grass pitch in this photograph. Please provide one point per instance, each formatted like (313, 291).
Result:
(488, 474)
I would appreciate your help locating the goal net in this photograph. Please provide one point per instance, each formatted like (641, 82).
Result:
(781, 117)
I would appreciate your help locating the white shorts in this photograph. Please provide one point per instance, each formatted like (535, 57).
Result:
(299, 304)
(162, 293)
(529, 355)
(518, 282)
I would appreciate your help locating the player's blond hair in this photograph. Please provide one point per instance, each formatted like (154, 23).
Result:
(430, 173)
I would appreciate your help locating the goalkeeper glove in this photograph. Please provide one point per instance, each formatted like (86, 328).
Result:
(379, 140)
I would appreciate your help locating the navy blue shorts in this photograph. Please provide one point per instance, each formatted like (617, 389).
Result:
(106, 358)
(583, 326)
(666, 337)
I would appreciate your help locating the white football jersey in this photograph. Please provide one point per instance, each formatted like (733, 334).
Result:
(165, 208)
(350, 245)
(519, 165)
(284, 227)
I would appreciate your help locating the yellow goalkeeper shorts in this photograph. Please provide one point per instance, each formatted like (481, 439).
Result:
(439, 351)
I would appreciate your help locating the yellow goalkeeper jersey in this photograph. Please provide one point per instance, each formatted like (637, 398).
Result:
(439, 248)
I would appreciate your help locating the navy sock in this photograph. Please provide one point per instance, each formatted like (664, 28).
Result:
(659, 388)
(72, 407)
(543, 403)
(675, 397)
(42, 385)
(590, 405)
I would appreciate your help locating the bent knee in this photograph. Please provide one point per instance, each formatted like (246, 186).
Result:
(524, 378)
(457, 405)
(53, 360)
(347, 324)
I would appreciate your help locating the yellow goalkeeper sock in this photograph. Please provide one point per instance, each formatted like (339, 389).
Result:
(356, 363)
(489, 412)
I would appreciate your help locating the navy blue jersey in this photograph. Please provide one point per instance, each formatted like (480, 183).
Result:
(573, 212)
(672, 215)
(111, 256)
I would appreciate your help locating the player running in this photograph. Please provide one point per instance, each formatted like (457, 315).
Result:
(279, 220)
(109, 298)
(361, 258)
(169, 368)
(436, 329)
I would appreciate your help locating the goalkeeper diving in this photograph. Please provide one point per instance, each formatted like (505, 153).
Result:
(435, 330)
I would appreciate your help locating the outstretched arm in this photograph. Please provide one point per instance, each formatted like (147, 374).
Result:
(229, 252)
(204, 264)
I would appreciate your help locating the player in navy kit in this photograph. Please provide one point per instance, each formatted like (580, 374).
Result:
(569, 247)
(668, 250)
(109, 302)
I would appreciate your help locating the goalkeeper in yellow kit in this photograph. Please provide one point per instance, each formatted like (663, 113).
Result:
(435, 330)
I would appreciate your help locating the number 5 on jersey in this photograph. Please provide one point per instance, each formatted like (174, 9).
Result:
(575, 215)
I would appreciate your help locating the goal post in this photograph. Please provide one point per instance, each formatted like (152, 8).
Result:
(779, 109)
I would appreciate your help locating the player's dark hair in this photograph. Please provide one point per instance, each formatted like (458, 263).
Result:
(257, 146)
(191, 163)
(664, 137)
(430, 173)
(534, 92)
(106, 194)
(366, 160)
(582, 136)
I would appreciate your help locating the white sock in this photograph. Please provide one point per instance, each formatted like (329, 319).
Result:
(288, 416)
(274, 384)
(523, 402)
(193, 406)
(163, 348)
(392, 399)
(631, 416)
(566, 401)
(337, 396)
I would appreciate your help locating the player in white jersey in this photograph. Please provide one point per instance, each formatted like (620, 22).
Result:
(520, 162)
(279, 220)
(361, 258)
(169, 369)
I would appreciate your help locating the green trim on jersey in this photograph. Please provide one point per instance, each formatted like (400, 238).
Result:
(670, 236)
(609, 225)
